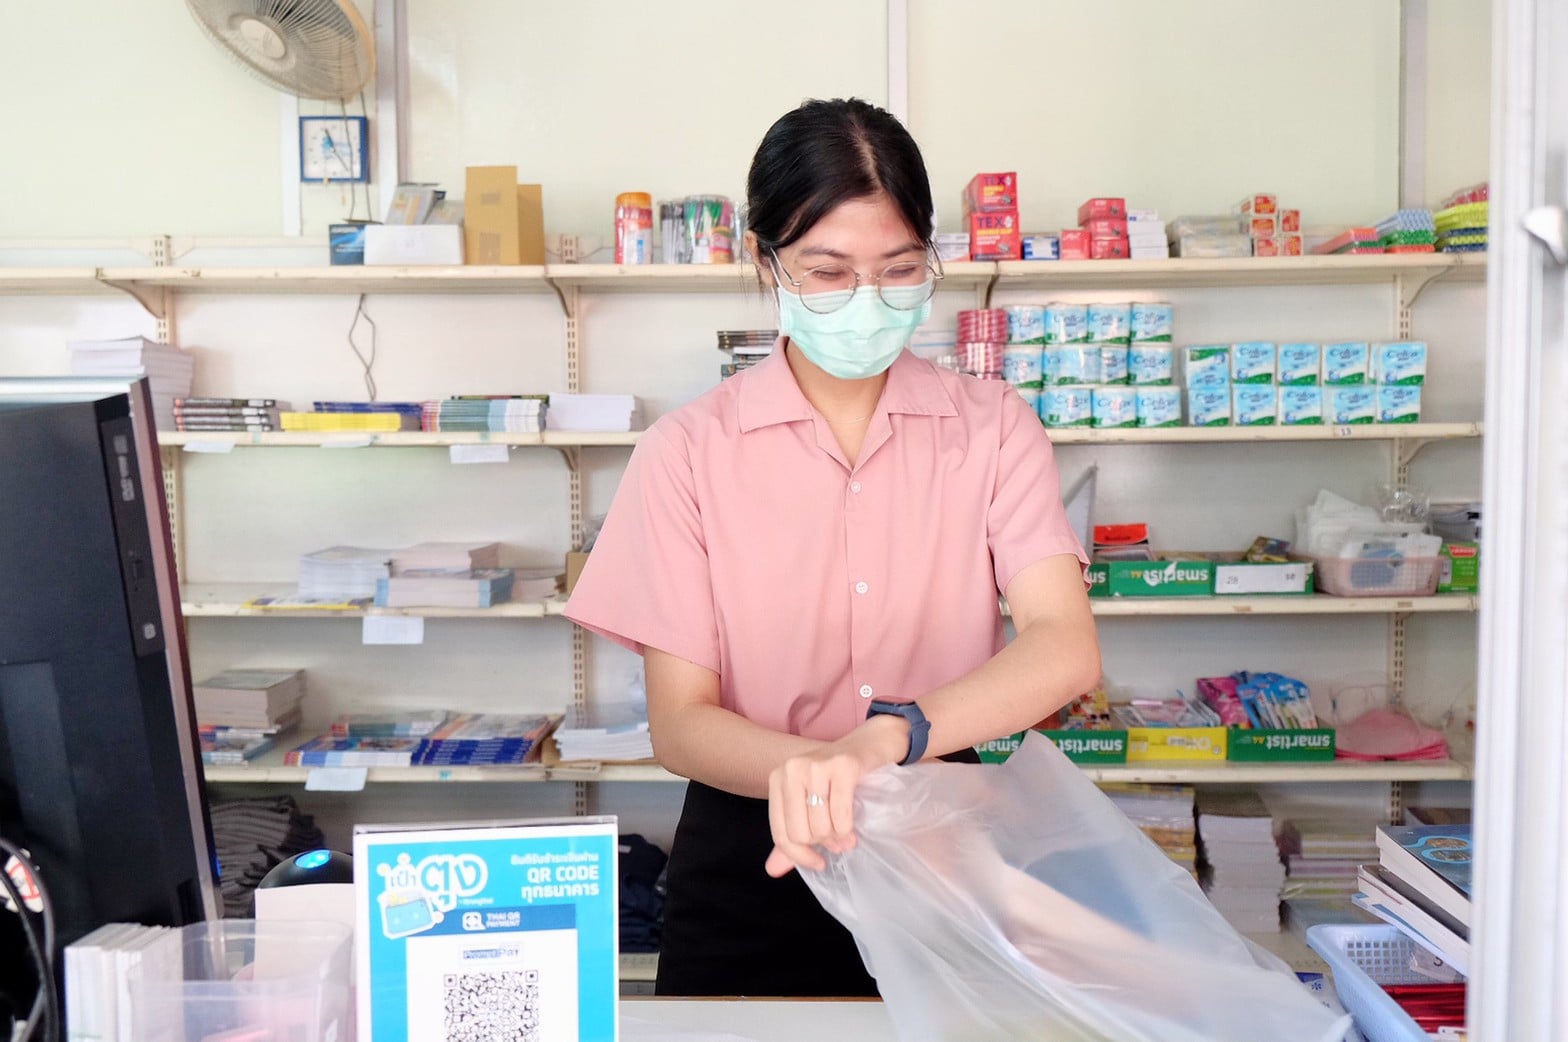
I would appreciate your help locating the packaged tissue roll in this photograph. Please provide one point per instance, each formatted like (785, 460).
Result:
(1206, 365)
(1350, 405)
(1300, 406)
(1067, 406)
(1299, 365)
(1398, 403)
(1022, 365)
(1347, 364)
(1031, 397)
(1110, 323)
(1113, 363)
(1254, 405)
(1400, 362)
(1252, 363)
(1074, 364)
(1026, 324)
(1209, 406)
(1158, 406)
(1115, 407)
(1066, 323)
(1151, 365)
(1152, 323)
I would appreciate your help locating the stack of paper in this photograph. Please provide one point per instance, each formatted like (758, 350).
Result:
(595, 412)
(487, 738)
(258, 699)
(1239, 861)
(168, 369)
(449, 556)
(516, 414)
(607, 732)
(343, 573)
(1321, 855)
(415, 723)
(329, 751)
(1164, 813)
(445, 588)
(98, 972)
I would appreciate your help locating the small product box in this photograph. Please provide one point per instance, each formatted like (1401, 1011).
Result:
(1079, 745)
(1290, 221)
(1206, 365)
(1042, 247)
(1291, 246)
(1143, 215)
(1160, 578)
(1235, 576)
(1254, 405)
(1106, 227)
(1066, 323)
(1344, 406)
(993, 236)
(1262, 204)
(1252, 362)
(1075, 244)
(1151, 365)
(1067, 406)
(1400, 362)
(1110, 323)
(411, 245)
(989, 193)
(1073, 363)
(1300, 406)
(1158, 406)
(1109, 249)
(1115, 407)
(1153, 744)
(1347, 364)
(1208, 406)
(952, 246)
(1136, 252)
(1152, 323)
(1398, 404)
(1262, 227)
(1267, 247)
(1459, 570)
(1299, 365)
(1113, 363)
(1102, 207)
(346, 243)
(1298, 745)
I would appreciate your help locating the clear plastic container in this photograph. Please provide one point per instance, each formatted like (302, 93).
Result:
(269, 981)
(1378, 576)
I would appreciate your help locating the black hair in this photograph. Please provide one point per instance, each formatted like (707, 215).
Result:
(829, 152)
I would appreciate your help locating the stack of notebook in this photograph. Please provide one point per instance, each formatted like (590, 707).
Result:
(595, 412)
(1164, 813)
(355, 416)
(515, 414)
(241, 713)
(168, 369)
(1239, 862)
(228, 414)
(342, 573)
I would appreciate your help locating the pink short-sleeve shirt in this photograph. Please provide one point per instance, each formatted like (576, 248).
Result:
(741, 540)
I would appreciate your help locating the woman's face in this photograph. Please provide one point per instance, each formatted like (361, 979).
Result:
(867, 235)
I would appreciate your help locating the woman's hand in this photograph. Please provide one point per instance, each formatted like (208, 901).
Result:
(811, 798)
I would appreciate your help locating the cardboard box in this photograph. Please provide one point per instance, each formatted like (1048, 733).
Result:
(575, 559)
(1165, 577)
(412, 245)
(1102, 207)
(1074, 244)
(1079, 746)
(1262, 203)
(1042, 247)
(1106, 227)
(1460, 568)
(991, 193)
(1290, 221)
(530, 224)
(1108, 249)
(995, 236)
(1234, 576)
(1308, 744)
(490, 215)
(1291, 245)
(1147, 744)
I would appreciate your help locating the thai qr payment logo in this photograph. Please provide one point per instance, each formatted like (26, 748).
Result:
(418, 896)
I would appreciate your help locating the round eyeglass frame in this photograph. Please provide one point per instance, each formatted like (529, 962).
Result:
(933, 265)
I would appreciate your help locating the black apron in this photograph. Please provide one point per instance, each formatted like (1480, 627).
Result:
(731, 929)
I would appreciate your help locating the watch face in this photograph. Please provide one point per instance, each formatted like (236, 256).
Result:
(332, 148)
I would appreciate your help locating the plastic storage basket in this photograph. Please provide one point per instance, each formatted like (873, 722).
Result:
(1378, 576)
(1362, 959)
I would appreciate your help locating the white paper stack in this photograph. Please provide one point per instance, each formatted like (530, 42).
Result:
(1146, 235)
(446, 556)
(167, 368)
(594, 412)
(1164, 814)
(1322, 855)
(1240, 865)
(342, 572)
(97, 976)
(617, 731)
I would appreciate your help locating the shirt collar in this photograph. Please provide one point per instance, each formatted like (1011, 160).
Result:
(769, 395)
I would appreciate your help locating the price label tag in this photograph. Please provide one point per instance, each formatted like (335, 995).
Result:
(1344, 432)
(393, 629)
(215, 446)
(362, 442)
(479, 453)
(336, 779)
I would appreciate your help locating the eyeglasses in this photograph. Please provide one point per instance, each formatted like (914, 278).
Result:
(903, 286)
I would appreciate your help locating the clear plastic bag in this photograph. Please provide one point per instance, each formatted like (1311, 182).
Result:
(1016, 902)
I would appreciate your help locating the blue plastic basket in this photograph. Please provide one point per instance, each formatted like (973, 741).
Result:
(1362, 959)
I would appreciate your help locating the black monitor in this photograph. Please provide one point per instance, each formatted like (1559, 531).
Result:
(100, 773)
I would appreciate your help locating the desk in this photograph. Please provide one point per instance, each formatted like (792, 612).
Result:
(753, 1020)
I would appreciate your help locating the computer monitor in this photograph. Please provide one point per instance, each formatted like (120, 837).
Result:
(100, 770)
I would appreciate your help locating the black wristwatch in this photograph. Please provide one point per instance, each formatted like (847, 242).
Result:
(919, 726)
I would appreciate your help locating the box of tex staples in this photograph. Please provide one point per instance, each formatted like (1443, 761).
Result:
(510, 928)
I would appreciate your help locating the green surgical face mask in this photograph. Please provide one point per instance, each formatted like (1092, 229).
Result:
(859, 340)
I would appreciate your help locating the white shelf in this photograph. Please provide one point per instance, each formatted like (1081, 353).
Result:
(1226, 772)
(398, 439)
(346, 279)
(227, 600)
(1240, 271)
(1302, 604)
(51, 281)
(1218, 435)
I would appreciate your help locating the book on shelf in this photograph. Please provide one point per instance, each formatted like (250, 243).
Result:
(1391, 899)
(194, 403)
(513, 414)
(343, 572)
(294, 602)
(1435, 860)
(445, 588)
(613, 731)
(248, 697)
(234, 749)
(289, 720)
(415, 723)
(412, 203)
(450, 555)
(334, 422)
(594, 412)
(488, 738)
(329, 751)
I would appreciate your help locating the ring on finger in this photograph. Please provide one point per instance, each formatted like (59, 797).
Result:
(815, 799)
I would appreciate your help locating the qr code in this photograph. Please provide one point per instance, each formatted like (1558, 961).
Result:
(492, 1007)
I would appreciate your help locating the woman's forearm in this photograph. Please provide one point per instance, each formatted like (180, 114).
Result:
(710, 744)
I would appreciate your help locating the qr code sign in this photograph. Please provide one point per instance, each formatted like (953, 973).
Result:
(492, 1007)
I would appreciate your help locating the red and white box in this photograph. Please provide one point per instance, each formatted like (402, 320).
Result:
(991, 193)
(1262, 227)
(1102, 207)
(1106, 227)
(1109, 248)
(1290, 221)
(1262, 205)
(1291, 246)
(995, 236)
(1076, 244)
(1267, 247)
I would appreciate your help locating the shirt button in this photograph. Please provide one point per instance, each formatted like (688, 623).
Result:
(854, 486)
(862, 588)
(865, 690)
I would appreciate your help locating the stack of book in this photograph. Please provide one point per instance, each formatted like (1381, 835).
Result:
(1239, 863)
(595, 412)
(241, 713)
(355, 416)
(446, 588)
(330, 751)
(446, 555)
(97, 972)
(168, 369)
(414, 723)
(513, 414)
(606, 732)
(1322, 856)
(228, 414)
(342, 573)
(746, 348)
(1164, 813)
(486, 738)
(1421, 884)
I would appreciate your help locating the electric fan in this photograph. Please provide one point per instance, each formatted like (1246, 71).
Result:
(312, 48)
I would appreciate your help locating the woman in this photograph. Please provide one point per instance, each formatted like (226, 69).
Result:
(808, 558)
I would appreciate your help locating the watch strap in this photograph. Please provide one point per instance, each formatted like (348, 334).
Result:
(919, 726)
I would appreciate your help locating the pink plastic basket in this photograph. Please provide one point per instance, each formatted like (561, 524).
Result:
(1378, 576)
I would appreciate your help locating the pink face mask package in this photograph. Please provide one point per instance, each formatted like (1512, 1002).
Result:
(1388, 734)
(1015, 901)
